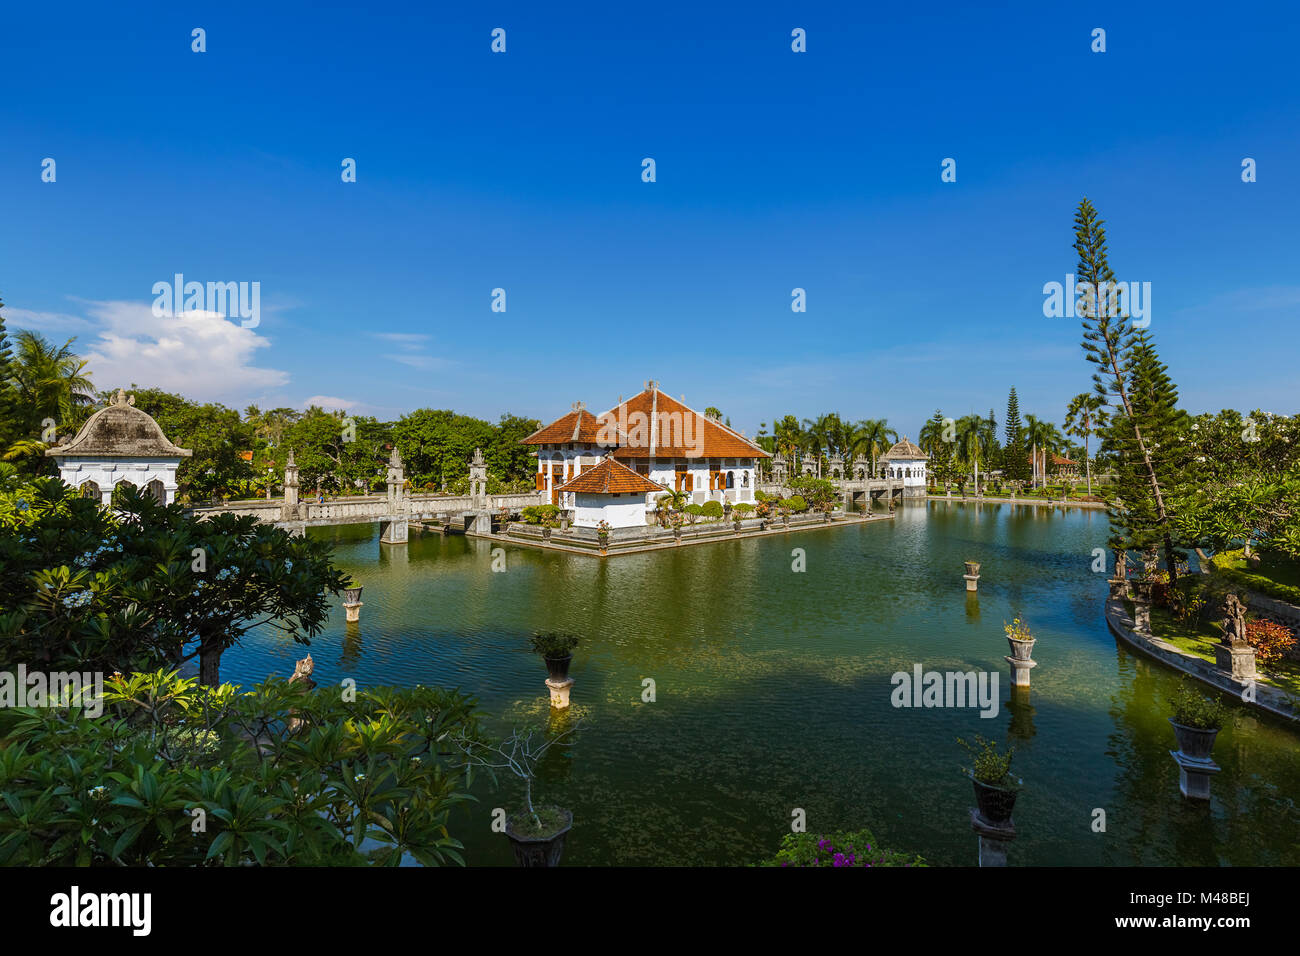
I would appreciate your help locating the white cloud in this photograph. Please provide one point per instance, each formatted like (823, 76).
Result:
(418, 360)
(410, 341)
(45, 321)
(329, 403)
(202, 355)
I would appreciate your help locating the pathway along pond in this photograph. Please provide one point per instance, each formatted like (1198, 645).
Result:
(773, 692)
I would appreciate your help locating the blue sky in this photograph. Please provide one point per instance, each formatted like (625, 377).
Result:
(775, 170)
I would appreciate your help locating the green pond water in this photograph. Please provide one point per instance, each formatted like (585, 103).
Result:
(773, 692)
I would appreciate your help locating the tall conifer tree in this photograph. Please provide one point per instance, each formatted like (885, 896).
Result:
(1109, 342)
(1015, 459)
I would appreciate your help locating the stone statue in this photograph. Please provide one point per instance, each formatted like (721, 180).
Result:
(1234, 625)
(301, 673)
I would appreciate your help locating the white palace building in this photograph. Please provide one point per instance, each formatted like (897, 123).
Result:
(613, 467)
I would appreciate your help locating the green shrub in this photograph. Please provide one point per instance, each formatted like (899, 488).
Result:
(366, 782)
(711, 509)
(553, 644)
(694, 509)
(744, 509)
(991, 767)
(855, 848)
(540, 514)
(1193, 709)
(796, 503)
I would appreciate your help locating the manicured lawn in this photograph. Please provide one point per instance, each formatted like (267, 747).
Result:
(1199, 639)
(1276, 567)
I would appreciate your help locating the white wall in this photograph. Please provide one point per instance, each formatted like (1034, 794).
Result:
(620, 511)
(662, 471)
(916, 478)
(138, 471)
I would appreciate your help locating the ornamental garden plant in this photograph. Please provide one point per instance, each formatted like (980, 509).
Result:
(174, 773)
(839, 849)
(147, 586)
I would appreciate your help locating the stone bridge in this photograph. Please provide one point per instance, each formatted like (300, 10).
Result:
(855, 482)
(393, 511)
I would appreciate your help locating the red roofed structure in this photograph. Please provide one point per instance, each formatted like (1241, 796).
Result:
(652, 436)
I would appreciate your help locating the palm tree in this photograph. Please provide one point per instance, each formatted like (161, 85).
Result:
(817, 437)
(877, 437)
(1042, 436)
(1084, 417)
(52, 384)
(971, 431)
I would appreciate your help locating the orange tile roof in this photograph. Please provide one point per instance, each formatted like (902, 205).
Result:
(611, 477)
(577, 426)
(681, 439)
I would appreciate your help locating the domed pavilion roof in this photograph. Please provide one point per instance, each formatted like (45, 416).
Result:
(120, 430)
(904, 451)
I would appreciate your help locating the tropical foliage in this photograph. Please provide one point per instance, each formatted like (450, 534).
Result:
(177, 774)
(145, 586)
(844, 848)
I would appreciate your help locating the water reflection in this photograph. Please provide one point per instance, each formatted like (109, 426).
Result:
(773, 691)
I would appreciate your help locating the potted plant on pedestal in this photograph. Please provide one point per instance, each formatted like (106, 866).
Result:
(602, 535)
(972, 567)
(676, 521)
(556, 648)
(995, 788)
(1197, 720)
(504, 515)
(536, 831)
(1019, 637)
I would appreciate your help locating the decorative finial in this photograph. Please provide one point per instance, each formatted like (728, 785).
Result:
(120, 397)
(289, 463)
(578, 406)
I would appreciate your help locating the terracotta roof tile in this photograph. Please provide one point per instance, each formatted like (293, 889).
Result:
(682, 432)
(577, 426)
(610, 477)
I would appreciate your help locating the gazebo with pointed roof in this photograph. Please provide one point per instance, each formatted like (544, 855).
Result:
(907, 462)
(120, 444)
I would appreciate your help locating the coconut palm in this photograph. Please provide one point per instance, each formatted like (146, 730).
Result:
(1042, 436)
(53, 385)
(819, 436)
(876, 436)
(1084, 417)
(972, 443)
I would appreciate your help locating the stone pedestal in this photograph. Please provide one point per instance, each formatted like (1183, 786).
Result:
(353, 611)
(1142, 618)
(1118, 587)
(1020, 670)
(1237, 660)
(995, 840)
(559, 692)
(972, 582)
(1194, 775)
